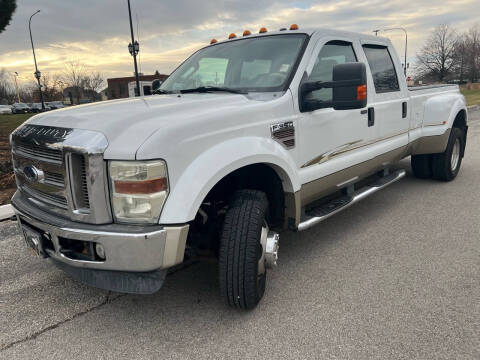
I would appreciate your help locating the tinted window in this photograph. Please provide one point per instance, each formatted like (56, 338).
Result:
(332, 53)
(381, 66)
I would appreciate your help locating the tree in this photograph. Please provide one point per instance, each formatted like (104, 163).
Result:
(436, 58)
(460, 58)
(94, 81)
(473, 53)
(74, 78)
(7, 8)
(7, 89)
(52, 86)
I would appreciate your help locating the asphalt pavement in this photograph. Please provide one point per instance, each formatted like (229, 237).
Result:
(397, 276)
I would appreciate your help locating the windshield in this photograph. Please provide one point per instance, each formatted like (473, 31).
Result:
(258, 64)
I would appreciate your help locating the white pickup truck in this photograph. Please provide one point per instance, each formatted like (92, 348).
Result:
(258, 133)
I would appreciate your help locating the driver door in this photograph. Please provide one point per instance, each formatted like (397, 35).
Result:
(332, 141)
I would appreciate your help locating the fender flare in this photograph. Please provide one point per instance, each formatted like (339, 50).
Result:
(437, 107)
(211, 166)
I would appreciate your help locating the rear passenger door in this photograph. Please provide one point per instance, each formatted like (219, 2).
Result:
(389, 102)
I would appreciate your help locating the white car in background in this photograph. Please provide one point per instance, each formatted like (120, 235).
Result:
(5, 109)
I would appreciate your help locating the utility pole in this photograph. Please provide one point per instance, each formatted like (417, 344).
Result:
(134, 48)
(37, 73)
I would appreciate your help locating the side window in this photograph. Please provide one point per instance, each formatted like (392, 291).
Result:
(332, 53)
(382, 68)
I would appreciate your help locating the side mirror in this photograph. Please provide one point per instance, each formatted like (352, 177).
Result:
(349, 84)
(156, 85)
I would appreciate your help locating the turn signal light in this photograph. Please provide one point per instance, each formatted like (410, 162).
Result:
(294, 27)
(141, 187)
(263, 30)
(361, 92)
(232, 36)
(246, 33)
(213, 41)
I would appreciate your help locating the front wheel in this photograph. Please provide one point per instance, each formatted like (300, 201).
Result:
(242, 260)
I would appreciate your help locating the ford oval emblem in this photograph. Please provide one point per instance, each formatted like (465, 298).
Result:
(32, 173)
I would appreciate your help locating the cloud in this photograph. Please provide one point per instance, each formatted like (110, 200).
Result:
(97, 32)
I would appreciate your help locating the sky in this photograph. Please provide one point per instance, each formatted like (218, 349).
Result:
(96, 32)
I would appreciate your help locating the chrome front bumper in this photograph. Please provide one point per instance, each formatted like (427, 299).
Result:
(128, 248)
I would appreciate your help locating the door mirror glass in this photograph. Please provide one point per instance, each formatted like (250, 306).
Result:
(351, 89)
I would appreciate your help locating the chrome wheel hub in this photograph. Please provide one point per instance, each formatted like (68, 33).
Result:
(454, 160)
(269, 241)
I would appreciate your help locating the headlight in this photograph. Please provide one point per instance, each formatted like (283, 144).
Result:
(139, 190)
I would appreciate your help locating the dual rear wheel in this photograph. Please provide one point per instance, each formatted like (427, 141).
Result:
(442, 166)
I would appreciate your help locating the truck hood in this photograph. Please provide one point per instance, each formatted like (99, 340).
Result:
(127, 123)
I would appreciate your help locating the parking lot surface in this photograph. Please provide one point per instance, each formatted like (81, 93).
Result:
(396, 276)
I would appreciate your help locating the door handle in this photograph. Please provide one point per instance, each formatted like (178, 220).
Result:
(371, 116)
(404, 110)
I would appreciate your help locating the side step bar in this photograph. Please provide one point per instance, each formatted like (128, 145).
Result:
(324, 211)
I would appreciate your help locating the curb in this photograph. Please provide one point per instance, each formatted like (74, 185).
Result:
(6, 212)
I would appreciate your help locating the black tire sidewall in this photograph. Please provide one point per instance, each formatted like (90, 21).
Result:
(240, 249)
(442, 163)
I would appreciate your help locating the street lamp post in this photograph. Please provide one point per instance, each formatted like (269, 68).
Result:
(36, 73)
(134, 48)
(15, 75)
(406, 43)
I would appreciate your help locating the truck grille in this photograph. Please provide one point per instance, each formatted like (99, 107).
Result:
(48, 198)
(54, 179)
(52, 189)
(39, 152)
(62, 171)
(83, 184)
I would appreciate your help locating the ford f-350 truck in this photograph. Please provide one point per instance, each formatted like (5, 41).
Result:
(248, 136)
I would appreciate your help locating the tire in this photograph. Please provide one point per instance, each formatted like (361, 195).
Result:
(422, 166)
(446, 165)
(241, 285)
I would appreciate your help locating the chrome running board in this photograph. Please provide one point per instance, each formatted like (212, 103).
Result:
(324, 211)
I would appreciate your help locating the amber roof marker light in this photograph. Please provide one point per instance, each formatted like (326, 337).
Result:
(262, 30)
(232, 36)
(213, 41)
(246, 33)
(294, 27)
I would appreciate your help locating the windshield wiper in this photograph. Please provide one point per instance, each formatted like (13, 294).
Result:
(161, 92)
(204, 89)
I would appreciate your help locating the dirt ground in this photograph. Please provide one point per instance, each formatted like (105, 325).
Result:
(8, 123)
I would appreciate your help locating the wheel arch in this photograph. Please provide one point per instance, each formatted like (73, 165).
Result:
(236, 159)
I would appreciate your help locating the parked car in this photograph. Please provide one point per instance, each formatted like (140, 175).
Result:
(20, 108)
(248, 136)
(5, 109)
(37, 107)
(53, 105)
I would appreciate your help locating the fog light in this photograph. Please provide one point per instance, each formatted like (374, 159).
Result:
(100, 250)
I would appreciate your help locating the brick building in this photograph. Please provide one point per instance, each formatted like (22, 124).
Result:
(118, 87)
